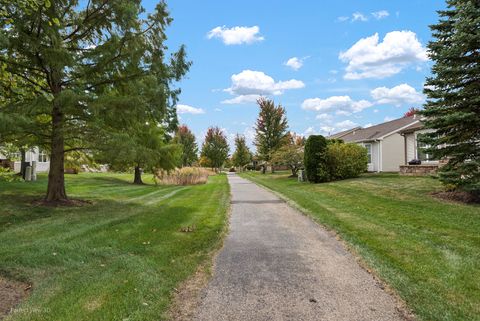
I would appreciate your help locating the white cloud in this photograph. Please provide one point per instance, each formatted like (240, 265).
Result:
(369, 58)
(338, 104)
(398, 95)
(242, 99)
(186, 109)
(343, 18)
(346, 124)
(218, 109)
(248, 85)
(294, 63)
(324, 117)
(327, 130)
(236, 35)
(358, 16)
(367, 125)
(249, 134)
(382, 14)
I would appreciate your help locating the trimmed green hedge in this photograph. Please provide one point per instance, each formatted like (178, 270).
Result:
(314, 159)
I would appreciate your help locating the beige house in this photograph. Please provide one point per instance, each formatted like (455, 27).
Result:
(413, 145)
(386, 146)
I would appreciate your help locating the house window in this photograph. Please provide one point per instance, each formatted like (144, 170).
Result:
(369, 152)
(42, 156)
(421, 151)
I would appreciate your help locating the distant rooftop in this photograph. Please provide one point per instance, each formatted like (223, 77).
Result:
(359, 134)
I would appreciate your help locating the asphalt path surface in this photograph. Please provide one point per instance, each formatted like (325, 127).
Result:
(276, 264)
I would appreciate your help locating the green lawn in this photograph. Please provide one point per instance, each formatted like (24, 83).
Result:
(118, 259)
(427, 249)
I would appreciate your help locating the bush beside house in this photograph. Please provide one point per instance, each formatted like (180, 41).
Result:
(333, 160)
(345, 160)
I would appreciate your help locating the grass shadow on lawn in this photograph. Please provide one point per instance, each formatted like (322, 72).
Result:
(114, 259)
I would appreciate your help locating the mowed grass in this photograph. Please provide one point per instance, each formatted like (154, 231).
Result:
(117, 259)
(428, 250)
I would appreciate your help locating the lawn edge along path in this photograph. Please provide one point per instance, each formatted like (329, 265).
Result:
(187, 295)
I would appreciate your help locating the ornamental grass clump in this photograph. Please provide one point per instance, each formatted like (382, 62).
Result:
(183, 176)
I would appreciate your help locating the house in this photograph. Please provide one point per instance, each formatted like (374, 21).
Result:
(384, 142)
(414, 150)
(34, 154)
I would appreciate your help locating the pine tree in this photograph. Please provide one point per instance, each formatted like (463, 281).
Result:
(186, 139)
(79, 63)
(271, 129)
(242, 155)
(453, 107)
(215, 147)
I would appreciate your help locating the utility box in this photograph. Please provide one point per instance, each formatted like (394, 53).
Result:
(34, 171)
(28, 173)
(301, 175)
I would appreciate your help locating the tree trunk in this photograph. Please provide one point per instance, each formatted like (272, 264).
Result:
(138, 176)
(56, 180)
(264, 168)
(23, 165)
(294, 170)
(272, 168)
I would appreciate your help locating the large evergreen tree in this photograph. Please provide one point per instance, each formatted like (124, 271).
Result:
(453, 90)
(215, 147)
(186, 139)
(74, 57)
(270, 130)
(242, 155)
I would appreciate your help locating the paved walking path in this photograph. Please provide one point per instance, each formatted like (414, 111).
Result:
(277, 264)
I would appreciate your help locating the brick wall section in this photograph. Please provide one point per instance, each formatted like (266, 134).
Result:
(418, 170)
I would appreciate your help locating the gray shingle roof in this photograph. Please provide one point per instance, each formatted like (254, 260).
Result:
(378, 131)
(343, 133)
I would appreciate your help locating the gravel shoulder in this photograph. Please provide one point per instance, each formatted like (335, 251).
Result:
(276, 264)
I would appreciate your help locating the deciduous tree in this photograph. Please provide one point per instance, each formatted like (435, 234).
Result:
(242, 155)
(270, 130)
(291, 154)
(215, 147)
(186, 139)
(143, 148)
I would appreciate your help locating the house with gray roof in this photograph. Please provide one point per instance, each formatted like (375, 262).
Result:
(384, 142)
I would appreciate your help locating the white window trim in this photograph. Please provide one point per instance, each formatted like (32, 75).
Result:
(45, 156)
(371, 152)
(416, 152)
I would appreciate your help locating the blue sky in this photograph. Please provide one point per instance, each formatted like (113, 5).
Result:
(354, 62)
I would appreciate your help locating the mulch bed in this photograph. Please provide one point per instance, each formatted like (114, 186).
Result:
(11, 294)
(458, 196)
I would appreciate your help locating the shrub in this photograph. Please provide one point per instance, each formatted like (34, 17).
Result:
(314, 159)
(7, 175)
(183, 176)
(345, 160)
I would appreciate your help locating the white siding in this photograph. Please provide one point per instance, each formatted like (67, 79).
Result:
(374, 165)
(411, 148)
(32, 156)
(393, 153)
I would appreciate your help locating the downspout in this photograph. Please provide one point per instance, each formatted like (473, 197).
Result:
(380, 166)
